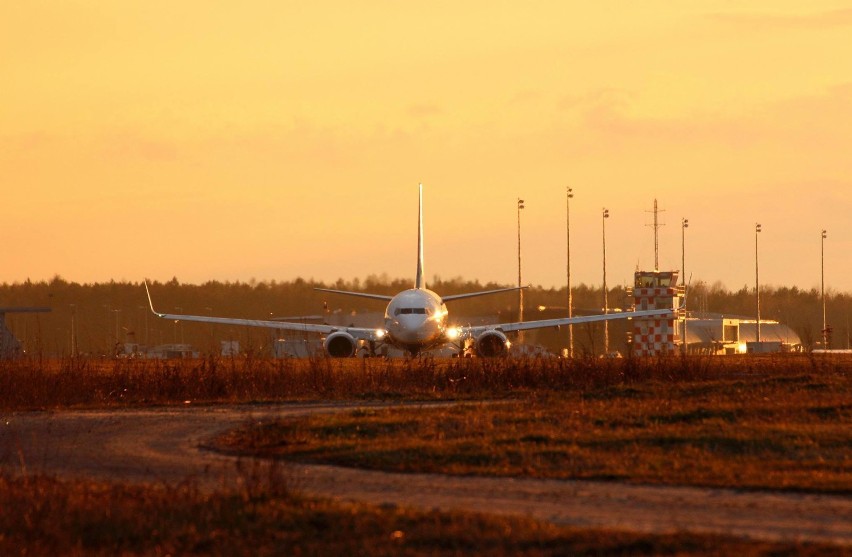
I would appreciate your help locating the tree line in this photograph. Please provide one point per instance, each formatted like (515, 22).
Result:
(103, 315)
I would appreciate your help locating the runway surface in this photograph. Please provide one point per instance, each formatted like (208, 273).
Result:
(164, 445)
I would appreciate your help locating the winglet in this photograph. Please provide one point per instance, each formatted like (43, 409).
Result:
(150, 302)
(418, 280)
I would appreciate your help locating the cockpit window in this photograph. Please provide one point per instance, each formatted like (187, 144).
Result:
(408, 311)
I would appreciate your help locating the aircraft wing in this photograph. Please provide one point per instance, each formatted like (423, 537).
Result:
(558, 322)
(360, 333)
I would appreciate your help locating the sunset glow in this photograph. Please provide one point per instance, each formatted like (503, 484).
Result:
(272, 140)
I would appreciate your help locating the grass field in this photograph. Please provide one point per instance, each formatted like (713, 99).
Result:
(756, 431)
(34, 384)
(45, 516)
(782, 422)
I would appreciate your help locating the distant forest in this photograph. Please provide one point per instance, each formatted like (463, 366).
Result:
(105, 314)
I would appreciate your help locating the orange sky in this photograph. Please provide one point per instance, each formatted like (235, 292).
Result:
(216, 140)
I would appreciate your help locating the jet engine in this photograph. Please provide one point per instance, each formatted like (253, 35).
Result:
(340, 345)
(491, 344)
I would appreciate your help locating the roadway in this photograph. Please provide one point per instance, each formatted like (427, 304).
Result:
(167, 445)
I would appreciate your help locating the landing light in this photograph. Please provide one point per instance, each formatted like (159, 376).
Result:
(453, 333)
(380, 333)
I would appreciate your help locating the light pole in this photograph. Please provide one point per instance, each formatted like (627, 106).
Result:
(684, 224)
(757, 229)
(822, 289)
(107, 328)
(604, 216)
(570, 196)
(116, 312)
(520, 289)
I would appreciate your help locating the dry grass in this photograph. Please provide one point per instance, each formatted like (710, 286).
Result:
(771, 430)
(789, 415)
(44, 516)
(68, 383)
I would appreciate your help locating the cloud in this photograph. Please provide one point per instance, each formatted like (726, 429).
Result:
(132, 145)
(19, 144)
(424, 110)
(756, 21)
(606, 118)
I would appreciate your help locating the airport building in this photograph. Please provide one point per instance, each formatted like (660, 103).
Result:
(656, 290)
(711, 335)
(719, 335)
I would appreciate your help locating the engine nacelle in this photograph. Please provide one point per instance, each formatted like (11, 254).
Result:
(491, 344)
(340, 345)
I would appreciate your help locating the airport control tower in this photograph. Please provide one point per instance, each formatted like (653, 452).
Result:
(656, 290)
(10, 346)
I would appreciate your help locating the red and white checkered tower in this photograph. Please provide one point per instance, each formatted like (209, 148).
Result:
(656, 290)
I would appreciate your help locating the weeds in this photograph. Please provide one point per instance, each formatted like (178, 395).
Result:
(780, 422)
(761, 431)
(258, 515)
(76, 382)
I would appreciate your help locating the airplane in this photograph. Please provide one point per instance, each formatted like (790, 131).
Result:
(416, 320)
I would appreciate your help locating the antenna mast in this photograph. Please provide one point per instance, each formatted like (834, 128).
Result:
(657, 224)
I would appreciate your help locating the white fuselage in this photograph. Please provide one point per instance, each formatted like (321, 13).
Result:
(415, 320)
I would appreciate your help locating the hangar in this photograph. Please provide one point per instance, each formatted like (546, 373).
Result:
(732, 335)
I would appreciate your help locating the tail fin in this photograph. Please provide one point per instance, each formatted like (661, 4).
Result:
(418, 279)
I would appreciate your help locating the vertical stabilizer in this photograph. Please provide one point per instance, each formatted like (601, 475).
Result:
(418, 279)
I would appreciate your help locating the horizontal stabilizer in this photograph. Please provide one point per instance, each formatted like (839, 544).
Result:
(359, 294)
(481, 293)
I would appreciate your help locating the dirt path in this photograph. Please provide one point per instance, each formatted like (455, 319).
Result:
(163, 445)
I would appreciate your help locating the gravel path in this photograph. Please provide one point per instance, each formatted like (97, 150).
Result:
(162, 445)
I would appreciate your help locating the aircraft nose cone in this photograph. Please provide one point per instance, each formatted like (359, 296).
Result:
(413, 329)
